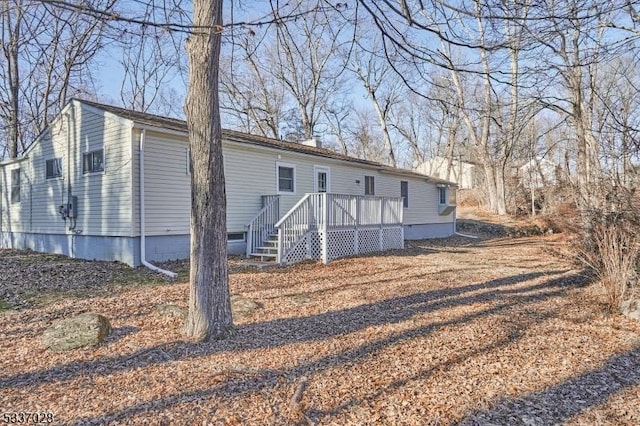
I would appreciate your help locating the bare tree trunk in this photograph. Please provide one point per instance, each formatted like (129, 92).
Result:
(14, 31)
(451, 145)
(382, 112)
(382, 118)
(209, 306)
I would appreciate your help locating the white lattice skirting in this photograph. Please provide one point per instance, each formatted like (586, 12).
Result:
(346, 242)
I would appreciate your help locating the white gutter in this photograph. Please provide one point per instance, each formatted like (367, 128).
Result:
(466, 235)
(143, 246)
(455, 229)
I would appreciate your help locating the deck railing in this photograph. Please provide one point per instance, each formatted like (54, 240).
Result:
(327, 226)
(263, 223)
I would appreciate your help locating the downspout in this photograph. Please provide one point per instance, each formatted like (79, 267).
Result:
(68, 114)
(143, 246)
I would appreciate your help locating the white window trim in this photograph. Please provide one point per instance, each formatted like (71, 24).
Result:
(327, 170)
(48, 179)
(295, 178)
(104, 162)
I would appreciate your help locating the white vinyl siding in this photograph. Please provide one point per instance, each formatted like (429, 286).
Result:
(167, 186)
(104, 199)
(245, 185)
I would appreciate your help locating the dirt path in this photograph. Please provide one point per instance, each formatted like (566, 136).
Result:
(496, 331)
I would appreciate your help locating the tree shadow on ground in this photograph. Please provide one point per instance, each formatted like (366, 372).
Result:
(557, 404)
(367, 283)
(118, 333)
(306, 329)
(283, 331)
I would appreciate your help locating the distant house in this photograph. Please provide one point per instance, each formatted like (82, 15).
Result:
(538, 173)
(462, 173)
(112, 184)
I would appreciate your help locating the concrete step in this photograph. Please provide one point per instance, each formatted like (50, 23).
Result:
(267, 249)
(271, 255)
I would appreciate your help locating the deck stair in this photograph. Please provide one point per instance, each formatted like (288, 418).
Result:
(268, 251)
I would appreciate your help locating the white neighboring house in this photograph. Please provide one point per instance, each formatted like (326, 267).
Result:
(538, 173)
(462, 173)
(108, 183)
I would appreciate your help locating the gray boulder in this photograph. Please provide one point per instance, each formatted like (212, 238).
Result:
(631, 309)
(242, 306)
(88, 329)
(169, 310)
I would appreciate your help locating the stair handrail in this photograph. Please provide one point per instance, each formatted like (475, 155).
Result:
(292, 209)
(295, 225)
(266, 216)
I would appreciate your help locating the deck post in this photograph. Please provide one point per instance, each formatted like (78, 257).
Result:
(249, 241)
(279, 252)
(381, 239)
(356, 236)
(325, 219)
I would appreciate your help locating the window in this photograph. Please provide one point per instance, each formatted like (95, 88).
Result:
(286, 178)
(54, 168)
(442, 195)
(188, 161)
(93, 162)
(15, 186)
(446, 200)
(236, 236)
(404, 193)
(369, 186)
(322, 179)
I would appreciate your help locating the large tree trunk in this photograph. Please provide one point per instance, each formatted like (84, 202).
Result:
(209, 305)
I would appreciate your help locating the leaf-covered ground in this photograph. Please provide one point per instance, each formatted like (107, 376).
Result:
(456, 331)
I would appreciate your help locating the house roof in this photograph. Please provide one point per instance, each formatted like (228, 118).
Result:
(175, 124)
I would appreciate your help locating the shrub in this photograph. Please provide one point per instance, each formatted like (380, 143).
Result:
(611, 244)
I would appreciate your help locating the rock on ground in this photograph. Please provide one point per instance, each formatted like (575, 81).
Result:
(88, 329)
(631, 309)
(241, 306)
(169, 310)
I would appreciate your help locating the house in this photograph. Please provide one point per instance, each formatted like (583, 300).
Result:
(462, 173)
(107, 183)
(538, 173)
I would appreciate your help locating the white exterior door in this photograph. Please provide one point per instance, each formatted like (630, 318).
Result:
(322, 179)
